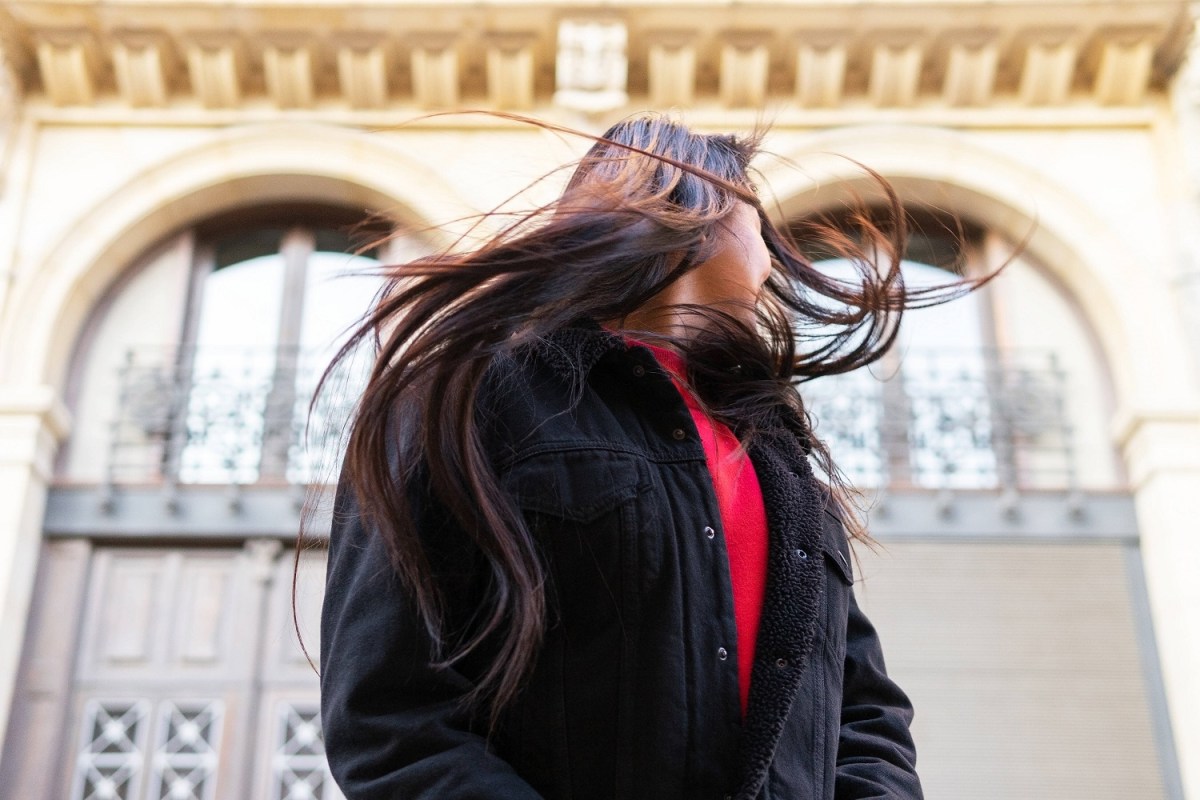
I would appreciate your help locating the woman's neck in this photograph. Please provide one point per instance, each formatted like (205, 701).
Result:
(676, 311)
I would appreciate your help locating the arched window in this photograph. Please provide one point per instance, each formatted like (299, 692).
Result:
(949, 406)
(263, 300)
(270, 306)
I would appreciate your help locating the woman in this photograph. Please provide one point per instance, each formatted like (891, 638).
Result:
(578, 549)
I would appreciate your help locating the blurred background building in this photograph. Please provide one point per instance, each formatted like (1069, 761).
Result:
(181, 183)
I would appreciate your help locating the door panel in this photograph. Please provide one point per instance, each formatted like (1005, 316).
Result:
(190, 683)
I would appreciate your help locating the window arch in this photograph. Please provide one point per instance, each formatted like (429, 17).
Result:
(958, 402)
(205, 358)
(271, 302)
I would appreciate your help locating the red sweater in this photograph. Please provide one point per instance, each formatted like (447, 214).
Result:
(743, 519)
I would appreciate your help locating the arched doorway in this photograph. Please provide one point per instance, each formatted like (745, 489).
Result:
(176, 503)
(983, 441)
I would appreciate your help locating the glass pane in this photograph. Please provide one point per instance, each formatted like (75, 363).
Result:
(927, 423)
(341, 289)
(246, 246)
(847, 408)
(947, 382)
(234, 358)
(242, 304)
(338, 294)
(957, 324)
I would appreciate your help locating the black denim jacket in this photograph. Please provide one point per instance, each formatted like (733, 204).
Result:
(635, 691)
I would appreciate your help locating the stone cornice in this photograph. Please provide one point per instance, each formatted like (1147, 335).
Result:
(375, 55)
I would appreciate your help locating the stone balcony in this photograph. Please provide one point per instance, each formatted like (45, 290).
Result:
(224, 444)
(951, 419)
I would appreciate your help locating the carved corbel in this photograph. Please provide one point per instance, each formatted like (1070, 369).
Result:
(362, 70)
(1049, 69)
(896, 60)
(971, 68)
(1123, 74)
(288, 68)
(67, 62)
(435, 69)
(671, 67)
(510, 70)
(140, 66)
(821, 68)
(216, 62)
(745, 59)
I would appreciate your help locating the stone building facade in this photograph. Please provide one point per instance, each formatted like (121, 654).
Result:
(181, 185)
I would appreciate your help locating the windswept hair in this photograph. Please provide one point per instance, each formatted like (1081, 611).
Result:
(642, 207)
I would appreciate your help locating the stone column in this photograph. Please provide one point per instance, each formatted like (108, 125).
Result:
(1186, 98)
(11, 98)
(33, 421)
(1162, 451)
(41, 703)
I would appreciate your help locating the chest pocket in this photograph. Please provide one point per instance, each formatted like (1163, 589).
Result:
(581, 507)
(578, 485)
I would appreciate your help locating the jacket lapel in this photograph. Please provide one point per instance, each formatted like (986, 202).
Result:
(795, 572)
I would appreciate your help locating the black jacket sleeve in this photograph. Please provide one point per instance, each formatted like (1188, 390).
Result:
(392, 724)
(876, 756)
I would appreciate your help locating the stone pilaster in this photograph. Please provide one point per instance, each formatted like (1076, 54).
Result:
(1162, 451)
(1187, 108)
(33, 421)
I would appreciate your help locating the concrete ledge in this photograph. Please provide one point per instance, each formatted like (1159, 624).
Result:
(224, 512)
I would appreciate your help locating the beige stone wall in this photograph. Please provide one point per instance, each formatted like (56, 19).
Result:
(90, 189)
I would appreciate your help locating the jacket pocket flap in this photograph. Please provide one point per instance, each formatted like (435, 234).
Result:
(579, 485)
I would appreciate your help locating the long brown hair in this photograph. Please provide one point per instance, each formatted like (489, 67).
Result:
(642, 207)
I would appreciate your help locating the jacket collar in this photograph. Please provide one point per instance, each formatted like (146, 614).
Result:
(572, 351)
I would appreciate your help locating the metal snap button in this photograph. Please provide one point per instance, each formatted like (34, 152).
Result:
(781, 663)
(709, 532)
(800, 554)
(639, 370)
(722, 653)
(680, 434)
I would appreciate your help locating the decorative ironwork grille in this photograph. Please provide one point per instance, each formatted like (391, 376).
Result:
(113, 753)
(299, 768)
(112, 750)
(185, 761)
(230, 417)
(947, 420)
(950, 420)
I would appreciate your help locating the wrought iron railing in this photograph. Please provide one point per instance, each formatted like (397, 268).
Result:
(949, 419)
(945, 420)
(223, 416)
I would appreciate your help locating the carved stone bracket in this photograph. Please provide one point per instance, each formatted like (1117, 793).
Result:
(506, 53)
